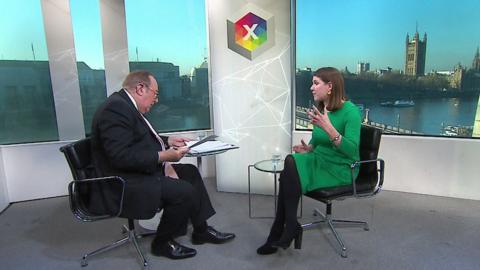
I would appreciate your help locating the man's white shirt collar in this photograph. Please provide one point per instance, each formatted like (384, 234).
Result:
(146, 121)
(131, 98)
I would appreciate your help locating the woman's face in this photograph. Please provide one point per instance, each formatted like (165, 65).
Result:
(320, 89)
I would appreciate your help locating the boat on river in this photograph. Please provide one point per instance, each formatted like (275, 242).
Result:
(398, 103)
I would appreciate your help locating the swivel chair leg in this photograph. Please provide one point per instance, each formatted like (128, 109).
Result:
(339, 239)
(327, 218)
(145, 234)
(352, 222)
(131, 236)
(103, 249)
(317, 213)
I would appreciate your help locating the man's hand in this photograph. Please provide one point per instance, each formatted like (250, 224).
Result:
(177, 141)
(173, 154)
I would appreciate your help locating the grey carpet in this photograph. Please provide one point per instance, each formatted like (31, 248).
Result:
(408, 231)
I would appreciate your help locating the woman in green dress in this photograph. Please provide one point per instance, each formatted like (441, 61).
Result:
(323, 162)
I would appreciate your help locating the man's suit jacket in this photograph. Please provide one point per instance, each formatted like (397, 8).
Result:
(123, 145)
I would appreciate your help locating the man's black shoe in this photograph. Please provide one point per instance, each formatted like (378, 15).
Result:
(211, 236)
(172, 250)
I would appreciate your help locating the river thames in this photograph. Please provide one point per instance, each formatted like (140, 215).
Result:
(427, 115)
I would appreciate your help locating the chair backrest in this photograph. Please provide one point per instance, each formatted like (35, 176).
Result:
(91, 197)
(368, 176)
(369, 145)
(79, 158)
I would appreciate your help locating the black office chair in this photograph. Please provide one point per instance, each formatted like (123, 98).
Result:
(368, 183)
(95, 198)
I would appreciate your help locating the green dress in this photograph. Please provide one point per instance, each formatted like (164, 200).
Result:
(328, 165)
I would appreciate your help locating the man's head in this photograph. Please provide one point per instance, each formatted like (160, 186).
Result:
(143, 87)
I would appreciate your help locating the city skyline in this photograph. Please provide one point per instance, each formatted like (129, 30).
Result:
(451, 29)
(165, 31)
(375, 31)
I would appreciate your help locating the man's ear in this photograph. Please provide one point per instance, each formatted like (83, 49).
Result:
(139, 89)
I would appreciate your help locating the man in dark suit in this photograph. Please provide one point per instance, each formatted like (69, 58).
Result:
(125, 144)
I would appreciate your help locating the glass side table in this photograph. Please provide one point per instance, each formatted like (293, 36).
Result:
(203, 154)
(270, 166)
(199, 155)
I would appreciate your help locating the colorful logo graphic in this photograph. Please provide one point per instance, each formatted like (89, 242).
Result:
(251, 31)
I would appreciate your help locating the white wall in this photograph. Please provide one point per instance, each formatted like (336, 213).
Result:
(435, 166)
(34, 171)
(4, 200)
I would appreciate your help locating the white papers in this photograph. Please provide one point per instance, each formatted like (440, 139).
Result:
(206, 139)
(209, 146)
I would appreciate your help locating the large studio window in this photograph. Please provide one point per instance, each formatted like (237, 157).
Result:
(87, 33)
(27, 111)
(409, 68)
(168, 38)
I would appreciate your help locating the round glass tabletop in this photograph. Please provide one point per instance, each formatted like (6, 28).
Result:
(269, 165)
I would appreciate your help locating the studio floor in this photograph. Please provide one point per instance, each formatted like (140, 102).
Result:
(407, 231)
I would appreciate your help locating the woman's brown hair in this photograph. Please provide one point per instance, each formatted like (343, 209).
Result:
(337, 96)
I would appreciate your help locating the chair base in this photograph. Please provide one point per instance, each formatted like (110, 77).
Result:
(130, 237)
(327, 218)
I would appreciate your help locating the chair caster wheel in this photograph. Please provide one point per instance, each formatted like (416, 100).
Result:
(83, 263)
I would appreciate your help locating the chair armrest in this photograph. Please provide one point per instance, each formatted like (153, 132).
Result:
(379, 183)
(77, 205)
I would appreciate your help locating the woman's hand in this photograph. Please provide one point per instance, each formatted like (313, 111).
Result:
(177, 141)
(322, 121)
(302, 148)
(319, 119)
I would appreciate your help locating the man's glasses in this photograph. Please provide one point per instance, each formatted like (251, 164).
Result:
(149, 88)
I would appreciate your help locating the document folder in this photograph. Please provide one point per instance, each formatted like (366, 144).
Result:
(206, 139)
(208, 147)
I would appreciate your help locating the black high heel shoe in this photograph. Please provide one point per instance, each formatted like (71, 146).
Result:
(285, 241)
(266, 249)
(275, 234)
